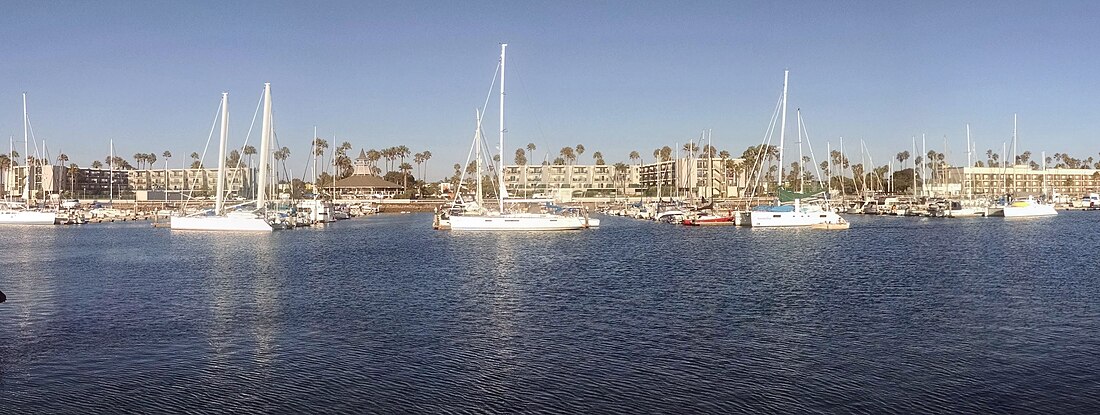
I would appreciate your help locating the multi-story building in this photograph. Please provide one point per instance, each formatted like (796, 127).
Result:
(1017, 180)
(95, 183)
(192, 179)
(694, 176)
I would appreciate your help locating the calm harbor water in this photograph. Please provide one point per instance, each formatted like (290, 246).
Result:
(382, 314)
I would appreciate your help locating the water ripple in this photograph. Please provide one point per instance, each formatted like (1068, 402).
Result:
(382, 315)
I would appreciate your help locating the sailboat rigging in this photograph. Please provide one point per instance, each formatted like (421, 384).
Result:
(478, 217)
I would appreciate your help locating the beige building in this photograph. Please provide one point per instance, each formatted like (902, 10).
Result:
(1017, 180)
(96, 183)
(693, 176)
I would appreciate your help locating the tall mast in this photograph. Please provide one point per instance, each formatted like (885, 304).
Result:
(479, 195)
(968, 162)
(500, 170)
(265, 150)
(798, 123)
(26, 139)
(219, 199)
(915, 167)
(924, 175)
(783, 126)
(1014, 141)
(111, 171)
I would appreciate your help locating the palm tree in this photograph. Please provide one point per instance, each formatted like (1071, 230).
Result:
(405, 169)
(901, 157)
(248, 151)
(580, 150)
(401, 152)
(319, 146)
(372, 157)
(691, 148)
(599, 158)
(195, 164)
(167, 155)
(666, 153)
(635, 157)
(427, 156)
(418, 158)
(97, 164)
(150, 160)
(530, 151)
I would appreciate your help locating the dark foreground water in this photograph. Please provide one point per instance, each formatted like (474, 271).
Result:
(382, 314)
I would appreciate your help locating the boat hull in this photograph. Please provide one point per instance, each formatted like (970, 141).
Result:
(1029, 211)
(517, 223)
(765, 219)
(27, 218)
(220, 223)
(710, 221)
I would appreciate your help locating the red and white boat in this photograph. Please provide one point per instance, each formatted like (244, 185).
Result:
(702, 220)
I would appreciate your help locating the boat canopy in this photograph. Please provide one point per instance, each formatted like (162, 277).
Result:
(790, 196)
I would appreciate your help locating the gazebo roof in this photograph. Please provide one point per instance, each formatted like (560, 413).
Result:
(366, 181)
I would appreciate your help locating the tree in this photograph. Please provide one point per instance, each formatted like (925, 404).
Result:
(97, 165)
(568, 154)
(599, 158)
(580, 150)
(666, 153)
(248, 151)
(151, 159)
(521, 157)
(530, 151)
(405, 169)
(233, 159)
(901, 158)
(635, 157)
(427, 155)
(691, 148)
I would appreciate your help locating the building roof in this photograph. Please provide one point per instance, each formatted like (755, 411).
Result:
(366, 181)
(362, 155)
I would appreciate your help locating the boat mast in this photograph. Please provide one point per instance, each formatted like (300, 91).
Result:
(265, 150)
(798, 123)
(479, 196)
(500, 170)
(29, 173)
(968, 162)
(219, 199)
(782, 128)
(915, 167)
(111, 175)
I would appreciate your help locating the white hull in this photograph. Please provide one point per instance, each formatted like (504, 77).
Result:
(791, 219)
(1029, 211)
(27, 217)
(518, 222)
(220, 223)
(965, 213)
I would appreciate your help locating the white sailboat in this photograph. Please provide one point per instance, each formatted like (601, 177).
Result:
(18, 212)
(246, 217)
(795, 214)
(481, 219)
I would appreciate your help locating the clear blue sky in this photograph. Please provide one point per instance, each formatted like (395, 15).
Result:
(614, 76)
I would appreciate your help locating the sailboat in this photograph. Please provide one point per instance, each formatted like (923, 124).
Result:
(480, 218)
(1029, 206)
(790, 211)
(14, 212)
(245, 217)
